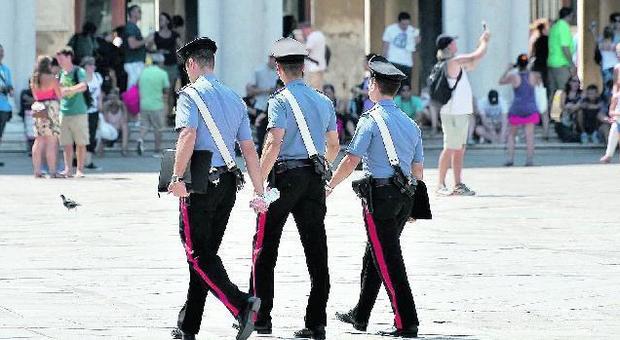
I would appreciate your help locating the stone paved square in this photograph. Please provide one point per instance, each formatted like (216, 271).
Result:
(533, 255)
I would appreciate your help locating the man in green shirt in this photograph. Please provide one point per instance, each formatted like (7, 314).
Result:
(133, 46)
(560, 61)
(153, 86)
(407, 102)
(73, 116)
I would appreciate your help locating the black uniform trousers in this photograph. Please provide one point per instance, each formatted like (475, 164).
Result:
(202, 224)
(302, 193)
(383, 259)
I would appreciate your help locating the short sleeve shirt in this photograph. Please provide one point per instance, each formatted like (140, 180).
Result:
(402, 43)
(94, 86)
(6, 80)
(264, 78)
(318, 110)
(133, 54)
(494, 112)
(73, 104)
(368, 144)
(227, 109)
(316, 45)
(410, 107)
(559, 36)
(152, 83)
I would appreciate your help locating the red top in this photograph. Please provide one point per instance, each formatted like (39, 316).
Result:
(42, 95)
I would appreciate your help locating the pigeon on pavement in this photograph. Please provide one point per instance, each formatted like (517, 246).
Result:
(69, 203)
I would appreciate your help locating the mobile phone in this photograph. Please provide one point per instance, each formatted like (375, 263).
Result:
(484, 25)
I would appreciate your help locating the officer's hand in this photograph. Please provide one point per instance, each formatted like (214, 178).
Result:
(178, 189)
(259, 205)
(328, 190)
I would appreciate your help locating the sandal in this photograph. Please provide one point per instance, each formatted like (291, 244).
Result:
(58, 175)
(38, 175)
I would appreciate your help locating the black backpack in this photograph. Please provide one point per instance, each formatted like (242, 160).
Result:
(440, 90)
(88, 97)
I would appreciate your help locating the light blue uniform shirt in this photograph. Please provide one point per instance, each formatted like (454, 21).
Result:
(227, 109)
(317, 109)
(8, 81)
(368, 144)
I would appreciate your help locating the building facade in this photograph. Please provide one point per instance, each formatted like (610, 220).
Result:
(245, 29)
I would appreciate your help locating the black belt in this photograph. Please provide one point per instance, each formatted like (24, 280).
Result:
(381, 182)
(282, 166)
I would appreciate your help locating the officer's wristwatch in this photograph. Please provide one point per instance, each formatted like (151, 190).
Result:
(175, 179)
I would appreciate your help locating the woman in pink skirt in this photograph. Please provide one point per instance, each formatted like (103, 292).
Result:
(523, 111)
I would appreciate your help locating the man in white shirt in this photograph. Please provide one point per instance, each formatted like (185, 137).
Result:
(399, 44)
(315, 67)
(493, 113)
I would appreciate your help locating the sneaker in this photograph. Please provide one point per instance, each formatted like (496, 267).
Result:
(92, 166)
(348, 318)
(584, 138)
(595, 138)
(462, 190)
(444, 191)
(509, 163)
(140, 148)
(317, 332)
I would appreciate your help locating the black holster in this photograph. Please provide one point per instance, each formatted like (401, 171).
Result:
(321, 167)
(404, 184)
(363, 189)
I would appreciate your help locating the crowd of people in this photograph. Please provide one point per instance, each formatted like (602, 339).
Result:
(89, 94)
(127, 80)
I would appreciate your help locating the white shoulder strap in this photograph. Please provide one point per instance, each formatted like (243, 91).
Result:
(213, 130)
(385, 135)
(301, 123)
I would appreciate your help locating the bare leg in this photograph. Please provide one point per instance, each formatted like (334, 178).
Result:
(512, 133)
(124, 136)
(157, 134)
(51, 151)
(445, 158)
(434, 110)
(68, 156)
(545, 121)
(529, 139)
(81, 157)
(457, 165)
(37, 154)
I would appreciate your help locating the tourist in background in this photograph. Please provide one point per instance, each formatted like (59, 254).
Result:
(46, 91)
(523, 112)
(95, 83)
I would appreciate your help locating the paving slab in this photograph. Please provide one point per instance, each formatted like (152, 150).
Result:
(533, 255)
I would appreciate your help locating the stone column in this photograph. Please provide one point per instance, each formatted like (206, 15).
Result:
(508, 22)
(17, 36)
(244, 31)
(589, 71)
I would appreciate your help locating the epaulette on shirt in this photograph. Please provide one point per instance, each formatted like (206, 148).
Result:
(183, 89)
(367, 112)
(273, 95)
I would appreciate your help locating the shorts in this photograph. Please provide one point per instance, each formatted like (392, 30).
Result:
(152, 119)
(74, 129)
(455, 129)
(5, 116)
(50, 126)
